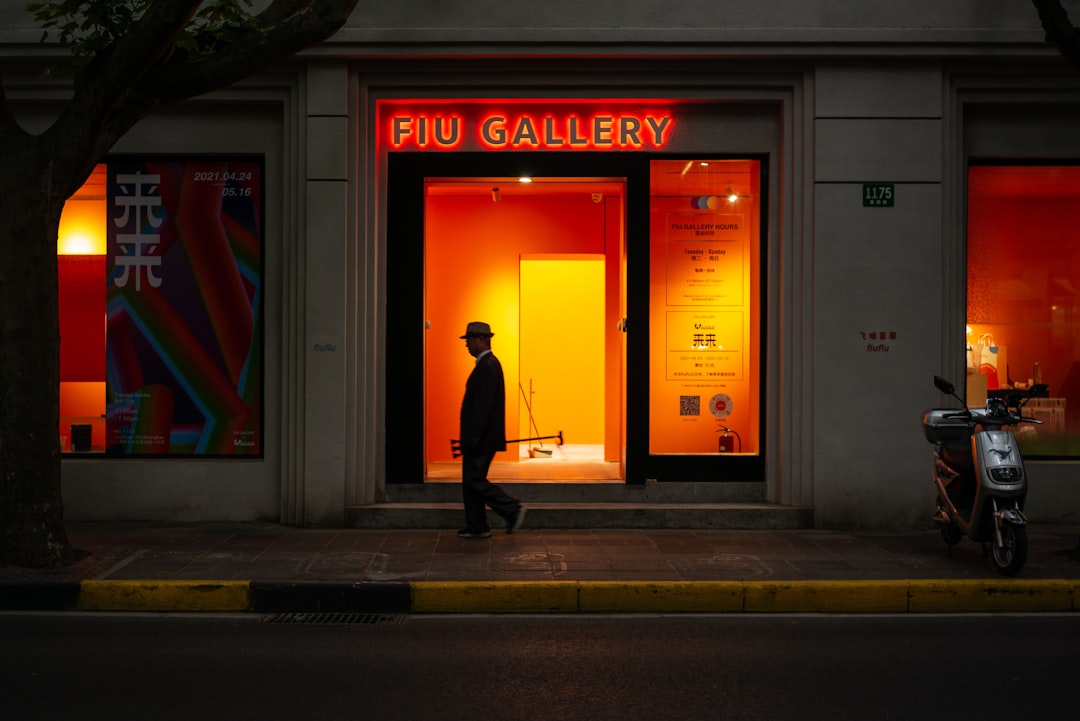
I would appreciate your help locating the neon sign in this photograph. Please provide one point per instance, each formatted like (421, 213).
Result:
(444, 127)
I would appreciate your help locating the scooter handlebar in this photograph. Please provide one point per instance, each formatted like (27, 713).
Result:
(989, 421)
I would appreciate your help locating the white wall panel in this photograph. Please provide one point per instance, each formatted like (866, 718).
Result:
(876, 271)
(870, 150)
(877, 90)
(325, 353)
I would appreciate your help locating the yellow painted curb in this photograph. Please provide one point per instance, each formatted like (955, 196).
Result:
(163, 596)
(661, 597)
(494, 597)
(999, 595)
(827, 597)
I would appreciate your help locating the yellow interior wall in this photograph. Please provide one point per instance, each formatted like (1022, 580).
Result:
(562, 349)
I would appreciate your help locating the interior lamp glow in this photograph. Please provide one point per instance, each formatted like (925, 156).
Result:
(77, 244)
(524, 179)
(82, 228)
(732, 196)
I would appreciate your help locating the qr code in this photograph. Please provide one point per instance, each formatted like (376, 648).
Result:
(689, 405)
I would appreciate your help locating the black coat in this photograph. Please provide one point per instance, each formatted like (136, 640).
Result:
(483, 410)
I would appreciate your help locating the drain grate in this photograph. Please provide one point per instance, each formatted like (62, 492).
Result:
(335, 619)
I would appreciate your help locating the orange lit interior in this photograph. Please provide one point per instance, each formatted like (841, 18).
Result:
(541, 262)
(1024, 277)
(704, 305)
(81, 248)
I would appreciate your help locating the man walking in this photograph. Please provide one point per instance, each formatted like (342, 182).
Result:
(483, 433)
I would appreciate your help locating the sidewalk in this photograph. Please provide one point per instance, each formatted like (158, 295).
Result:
(264, 568)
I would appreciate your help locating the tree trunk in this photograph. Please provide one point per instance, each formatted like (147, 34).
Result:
(31, 509)
(134, 75)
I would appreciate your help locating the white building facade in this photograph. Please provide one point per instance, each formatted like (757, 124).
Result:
(855, 126)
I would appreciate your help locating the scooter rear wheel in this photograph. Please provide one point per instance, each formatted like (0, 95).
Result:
(1010, 555)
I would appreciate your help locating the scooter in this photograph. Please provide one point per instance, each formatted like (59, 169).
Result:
(979, 474)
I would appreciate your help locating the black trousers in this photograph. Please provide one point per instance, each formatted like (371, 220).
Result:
(477, 492)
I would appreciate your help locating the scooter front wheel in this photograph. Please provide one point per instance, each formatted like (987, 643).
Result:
(1011, 553)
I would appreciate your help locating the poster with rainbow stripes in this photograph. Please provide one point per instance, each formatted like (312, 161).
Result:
(184, 308)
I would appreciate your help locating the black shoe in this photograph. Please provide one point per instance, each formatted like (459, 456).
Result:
(517, 520)
(470, 533)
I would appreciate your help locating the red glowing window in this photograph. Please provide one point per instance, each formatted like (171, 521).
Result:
(1023, 295)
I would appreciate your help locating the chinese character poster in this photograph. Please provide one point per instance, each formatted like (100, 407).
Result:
(184, 307)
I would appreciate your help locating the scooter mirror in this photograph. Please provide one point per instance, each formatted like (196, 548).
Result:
(944, 385)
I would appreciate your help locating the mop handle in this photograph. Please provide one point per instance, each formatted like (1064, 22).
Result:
(528, 407)
(455, 444)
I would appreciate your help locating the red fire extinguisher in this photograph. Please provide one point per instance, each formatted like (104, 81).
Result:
(727, 440)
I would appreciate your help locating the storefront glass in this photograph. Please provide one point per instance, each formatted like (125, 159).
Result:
(540, 262)
(705, 314)
(1023, 296)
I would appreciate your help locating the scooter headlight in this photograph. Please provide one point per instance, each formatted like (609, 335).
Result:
(1005, 474)
(996, 408)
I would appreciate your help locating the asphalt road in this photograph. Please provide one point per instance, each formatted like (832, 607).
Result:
(429, 668)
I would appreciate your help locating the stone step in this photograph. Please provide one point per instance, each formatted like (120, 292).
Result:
(592, 515)
(586, 492)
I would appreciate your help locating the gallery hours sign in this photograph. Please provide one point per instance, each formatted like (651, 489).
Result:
(704, 305)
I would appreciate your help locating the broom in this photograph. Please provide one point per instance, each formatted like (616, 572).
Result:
(532, 423)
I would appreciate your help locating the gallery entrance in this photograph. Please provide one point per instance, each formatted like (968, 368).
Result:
(530, 256)
(536, 247)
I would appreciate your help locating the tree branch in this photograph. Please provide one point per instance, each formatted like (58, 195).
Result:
(1060, 31)
(102, 87)
(140, 73)
(283, 29)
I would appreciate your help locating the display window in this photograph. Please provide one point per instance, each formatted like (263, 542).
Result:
(540, 261)
(705, 306)
(160, 299)
(1023, 296)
